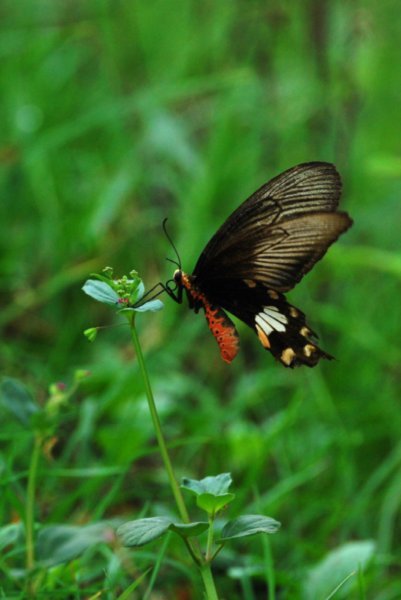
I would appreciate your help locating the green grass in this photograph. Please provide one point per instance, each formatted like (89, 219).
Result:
(117, 115)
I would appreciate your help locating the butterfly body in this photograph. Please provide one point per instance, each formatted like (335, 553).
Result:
(262, 250)
(219, 323)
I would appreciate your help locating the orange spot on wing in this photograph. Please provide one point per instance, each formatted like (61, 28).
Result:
(264, 340)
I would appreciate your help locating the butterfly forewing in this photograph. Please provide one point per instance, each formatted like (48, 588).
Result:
(282, 258)
(307, 188)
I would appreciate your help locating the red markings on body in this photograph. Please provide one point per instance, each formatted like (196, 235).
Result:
(219, 324)
(223, 330)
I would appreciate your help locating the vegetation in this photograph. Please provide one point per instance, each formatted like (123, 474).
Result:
(115, 116)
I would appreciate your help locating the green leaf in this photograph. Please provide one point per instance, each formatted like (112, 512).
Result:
(61, 543)
(336, 568)
(211, 492)
(247, 571)
(189, 529)
(247, 525)
(16, 398)
(91, 333)
(101, 291)
(142, 531)
(215, 486)
(213, 504)
(11, 534)
(138, 290)
(152, 306)
(107, 277)
(81, 375)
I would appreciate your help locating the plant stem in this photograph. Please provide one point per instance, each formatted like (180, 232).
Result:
(271, 580)
(182, 509)
(208, 582)
(30, 503)
(210, 535)
(204, 567)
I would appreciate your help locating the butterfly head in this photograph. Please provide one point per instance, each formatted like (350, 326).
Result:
(178, 277)
(183, 280)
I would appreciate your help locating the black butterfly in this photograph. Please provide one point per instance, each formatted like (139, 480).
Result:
(262, 250)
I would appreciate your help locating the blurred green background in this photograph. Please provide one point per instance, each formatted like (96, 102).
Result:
(118, 114)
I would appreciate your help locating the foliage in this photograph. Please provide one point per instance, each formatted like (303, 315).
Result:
(116, 115)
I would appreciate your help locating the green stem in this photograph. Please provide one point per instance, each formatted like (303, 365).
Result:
(30, 503)
(210, 535)
(182, 509)
(208, 582)
(271, 580)
(204, 567)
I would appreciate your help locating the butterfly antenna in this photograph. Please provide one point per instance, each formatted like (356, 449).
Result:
(178, 264)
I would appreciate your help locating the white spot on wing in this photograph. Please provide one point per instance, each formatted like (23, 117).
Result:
(263, 324)
(270, 319)
(273, 312)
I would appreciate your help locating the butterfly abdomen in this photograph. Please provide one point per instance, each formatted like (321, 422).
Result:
(223, 330)
(219, 323)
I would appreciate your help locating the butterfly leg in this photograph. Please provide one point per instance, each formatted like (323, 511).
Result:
(174, 293)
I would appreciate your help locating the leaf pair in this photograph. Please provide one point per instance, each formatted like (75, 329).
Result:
(124, 293)
(212, 496)
(143, 531)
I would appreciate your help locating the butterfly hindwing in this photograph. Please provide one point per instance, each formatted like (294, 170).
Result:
(280, 327)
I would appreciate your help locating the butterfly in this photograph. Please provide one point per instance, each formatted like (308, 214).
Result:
(261, 252)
